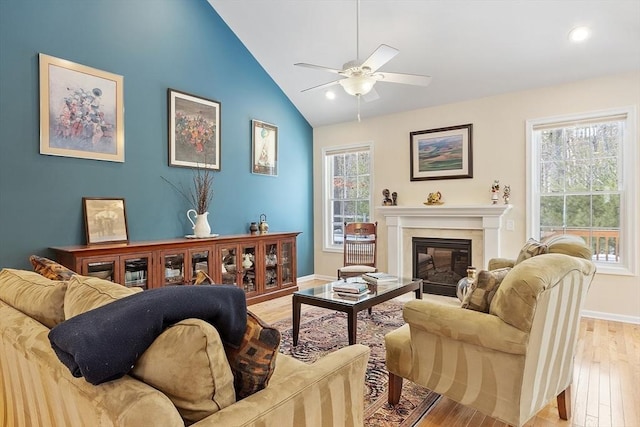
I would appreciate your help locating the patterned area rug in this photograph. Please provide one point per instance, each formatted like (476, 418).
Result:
(323, 331)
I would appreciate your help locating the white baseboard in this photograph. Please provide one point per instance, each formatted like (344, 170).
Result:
(611, 316)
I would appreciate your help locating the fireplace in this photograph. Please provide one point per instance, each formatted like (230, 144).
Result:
(441, 263)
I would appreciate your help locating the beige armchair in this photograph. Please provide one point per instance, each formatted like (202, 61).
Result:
(507, 363)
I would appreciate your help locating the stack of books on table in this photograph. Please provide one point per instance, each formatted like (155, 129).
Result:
(350, 290)
(376, 278)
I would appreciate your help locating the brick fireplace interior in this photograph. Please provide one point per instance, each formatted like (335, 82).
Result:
(441, 263)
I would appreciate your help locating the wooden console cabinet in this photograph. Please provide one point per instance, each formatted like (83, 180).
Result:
(263, 265)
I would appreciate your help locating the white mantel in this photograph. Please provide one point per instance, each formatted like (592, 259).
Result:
(487, 218)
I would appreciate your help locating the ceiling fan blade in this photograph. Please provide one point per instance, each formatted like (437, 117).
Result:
(318, 67)
(335, 82)
(380, 56)
(371, 96)
(408, 79)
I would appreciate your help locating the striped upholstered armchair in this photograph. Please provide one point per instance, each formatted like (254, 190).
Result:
(509, 362)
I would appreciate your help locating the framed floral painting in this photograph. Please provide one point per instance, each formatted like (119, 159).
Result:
(194, 131)
(81, 111)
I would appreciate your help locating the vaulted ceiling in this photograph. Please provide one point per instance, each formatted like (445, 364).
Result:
(471, 48)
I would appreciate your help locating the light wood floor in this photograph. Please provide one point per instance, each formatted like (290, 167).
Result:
(606, 385)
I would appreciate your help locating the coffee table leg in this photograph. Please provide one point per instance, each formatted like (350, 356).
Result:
(352, 325)
(419, 291)
(296, 320)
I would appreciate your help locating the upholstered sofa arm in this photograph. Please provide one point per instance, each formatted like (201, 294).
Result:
(37, 386)
(327, 392)
(496, 263)
(469, 326)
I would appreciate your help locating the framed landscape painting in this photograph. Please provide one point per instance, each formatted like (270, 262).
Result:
(264, 140)
(194, 131)
(443, 153)
(81, 111)
(105, 220)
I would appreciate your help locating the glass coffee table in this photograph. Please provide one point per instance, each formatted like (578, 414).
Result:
(323, 296)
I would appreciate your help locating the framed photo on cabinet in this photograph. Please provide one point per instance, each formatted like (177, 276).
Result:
(105, 220)
(81, 111)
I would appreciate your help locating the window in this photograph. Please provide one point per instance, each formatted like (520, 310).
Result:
(580, 183)
(347, 190)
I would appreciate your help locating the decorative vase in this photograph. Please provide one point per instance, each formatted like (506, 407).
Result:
(247, 263)
(201, 226)
(253, 228)
(465, 284)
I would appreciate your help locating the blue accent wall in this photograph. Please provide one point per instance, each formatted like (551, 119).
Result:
(154, 45)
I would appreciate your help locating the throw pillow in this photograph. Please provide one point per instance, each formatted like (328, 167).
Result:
(34, 295)
(530, 249)
(187, 363)
(50, 269)
(484, 289)
(253, 362)
(86, 293)
(202, 278)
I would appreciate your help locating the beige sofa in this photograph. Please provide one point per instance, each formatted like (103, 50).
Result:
(36, 389)
(510, 360)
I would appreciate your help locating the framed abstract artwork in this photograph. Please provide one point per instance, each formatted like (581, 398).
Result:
(264, 142)
(81, 111)
(443, 153)
(105, 220)
(194, 131)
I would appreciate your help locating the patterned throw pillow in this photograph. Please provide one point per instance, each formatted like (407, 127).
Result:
(50, 269)
(484, 289)
(253, 362)
(530, 249)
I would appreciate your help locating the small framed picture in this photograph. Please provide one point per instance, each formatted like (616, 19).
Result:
(264, 148)
(443, 153)
(194, 131)
(81, 111)
(105, 220)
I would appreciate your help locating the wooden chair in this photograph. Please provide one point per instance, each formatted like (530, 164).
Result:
(359, 247)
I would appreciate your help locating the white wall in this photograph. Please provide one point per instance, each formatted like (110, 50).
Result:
(498, 153)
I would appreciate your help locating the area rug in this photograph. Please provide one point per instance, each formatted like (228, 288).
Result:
(323, 331)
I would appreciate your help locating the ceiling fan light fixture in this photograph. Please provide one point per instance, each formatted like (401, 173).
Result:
(358, 85)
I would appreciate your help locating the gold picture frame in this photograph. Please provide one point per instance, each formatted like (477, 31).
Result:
(105, 220)
(81, 111)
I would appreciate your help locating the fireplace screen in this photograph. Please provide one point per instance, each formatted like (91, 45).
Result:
(441, 263)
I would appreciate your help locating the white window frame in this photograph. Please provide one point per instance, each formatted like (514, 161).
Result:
(327, 187)
(628, 217)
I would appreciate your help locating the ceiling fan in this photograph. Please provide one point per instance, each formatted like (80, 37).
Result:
(359, 77)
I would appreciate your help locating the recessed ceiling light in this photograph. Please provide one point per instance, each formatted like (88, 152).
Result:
(579, 34)
(330, 94)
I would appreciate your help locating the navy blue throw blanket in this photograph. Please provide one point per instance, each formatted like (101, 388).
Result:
(103, 344)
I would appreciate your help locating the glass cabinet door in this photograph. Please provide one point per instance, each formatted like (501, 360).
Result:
(173, 268)
(248, 275)
(227, 257)
(137, 270)
(286, 262)
(104, 268)
(271, 265)
(200, 260)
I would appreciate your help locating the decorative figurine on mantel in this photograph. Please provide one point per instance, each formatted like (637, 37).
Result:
(388, 201)
(506, 194)
(434, 199)
(495, 190)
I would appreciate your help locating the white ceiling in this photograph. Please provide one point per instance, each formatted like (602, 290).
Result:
(471, 48)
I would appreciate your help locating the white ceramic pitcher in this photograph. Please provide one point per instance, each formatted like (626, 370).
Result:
(201, 226)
